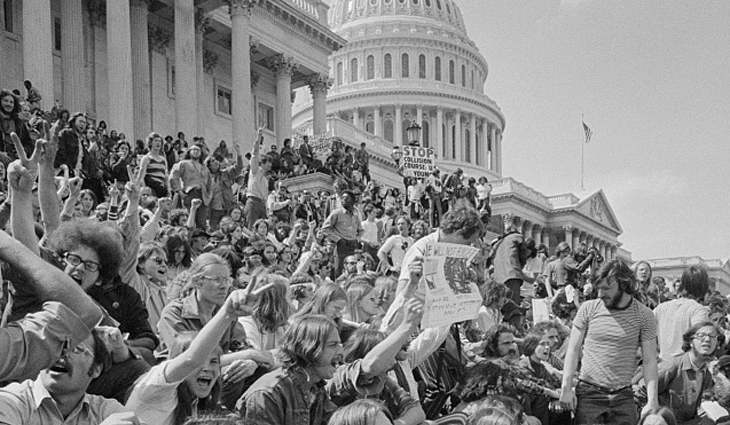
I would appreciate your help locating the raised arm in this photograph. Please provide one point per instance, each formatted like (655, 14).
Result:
(380, 358)
(48, 197)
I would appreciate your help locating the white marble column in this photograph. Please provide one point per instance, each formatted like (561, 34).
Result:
(378, 121)
(440, 132)
(499, 152)
(72, 55)
(37, 49)
(119, 68)
(202, 22)
(569, 235)
(493, 148)
(545, 234)
(283, 67)
(473, 135)
(356, 118)
(419, 120)
(141, 88)
(186, 94)
(485, 146)
(242, 122)
(398, 127)
(458, 135)
(319, 85)
(2, 45)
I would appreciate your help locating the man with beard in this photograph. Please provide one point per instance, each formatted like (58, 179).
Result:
(71, 144)
(499, 343)
(683, 379)
(58, 395)
(610, 330)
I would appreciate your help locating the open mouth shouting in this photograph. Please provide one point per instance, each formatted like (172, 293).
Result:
(62, 367)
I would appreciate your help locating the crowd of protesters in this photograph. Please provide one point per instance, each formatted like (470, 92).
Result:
(163, 283)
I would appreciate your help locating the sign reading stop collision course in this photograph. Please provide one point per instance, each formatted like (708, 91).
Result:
(417, 161)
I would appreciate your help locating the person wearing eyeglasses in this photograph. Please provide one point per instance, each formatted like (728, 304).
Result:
(211, 281)
(683, 379)
(152, 282)
(59, 394)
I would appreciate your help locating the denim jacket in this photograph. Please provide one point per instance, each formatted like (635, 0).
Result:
(284, 397)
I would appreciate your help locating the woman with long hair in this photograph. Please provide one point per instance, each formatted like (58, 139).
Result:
(329, 300)
(10, 122)
(362, 412)
(646, 292)
(266, 326)
(153, 167)
(178, 257)
(152, 280)
(362, 304)
(87, 201)
(189, 382)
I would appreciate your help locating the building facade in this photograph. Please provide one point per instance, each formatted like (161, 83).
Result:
(671, 270)
(213, 68)
(411, 61)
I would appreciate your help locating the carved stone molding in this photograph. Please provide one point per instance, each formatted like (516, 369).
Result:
(210, 60)
(319, 83)
(202, 21)
(97, 13)
(282, 65)
(159, 38)
(254, 44)
(241, 6)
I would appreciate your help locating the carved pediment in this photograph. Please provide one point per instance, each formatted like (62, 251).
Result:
(597, 208)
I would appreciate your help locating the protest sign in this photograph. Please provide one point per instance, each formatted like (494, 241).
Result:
(451, 292)
(417, 161)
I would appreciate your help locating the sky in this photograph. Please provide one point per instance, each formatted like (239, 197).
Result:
(652, 80)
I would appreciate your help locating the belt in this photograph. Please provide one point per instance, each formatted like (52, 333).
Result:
(602, 388)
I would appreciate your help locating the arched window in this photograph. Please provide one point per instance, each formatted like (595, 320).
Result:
(404, 128)
(339, 73)
(463, 76)
(404, 65)
(428, 3)
(370, 127)
(371, 67)
(387, 66)
(472, 79)
(451, 72)
(421, 66)
(438, 4)
(467, 146)
(388, 130)
(425, 134)
(437, 68)
(353, 70)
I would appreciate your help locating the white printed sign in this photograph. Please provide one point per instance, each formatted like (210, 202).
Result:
(451, 293)
(417, 161)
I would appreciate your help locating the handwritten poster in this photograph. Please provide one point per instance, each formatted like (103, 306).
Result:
(451, 292)
(417, 161)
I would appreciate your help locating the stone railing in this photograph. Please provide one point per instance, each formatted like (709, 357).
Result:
(353, 136)
(564, 200)
(510, 185)
(390, 85)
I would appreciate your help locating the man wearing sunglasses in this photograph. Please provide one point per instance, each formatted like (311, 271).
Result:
(58, 395)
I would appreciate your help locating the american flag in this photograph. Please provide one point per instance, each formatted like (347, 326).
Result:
(587, 131)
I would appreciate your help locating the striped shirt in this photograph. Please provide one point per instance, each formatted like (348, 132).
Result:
(611, 340)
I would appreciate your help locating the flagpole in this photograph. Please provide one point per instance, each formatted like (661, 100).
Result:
(582, 157)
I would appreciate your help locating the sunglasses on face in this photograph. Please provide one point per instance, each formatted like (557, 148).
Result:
(158, 260)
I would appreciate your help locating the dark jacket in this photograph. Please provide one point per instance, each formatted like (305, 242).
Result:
(68, 149)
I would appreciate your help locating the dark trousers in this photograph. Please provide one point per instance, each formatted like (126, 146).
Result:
(345, 248)
(202, 214)
(601, 406)
(254, 209)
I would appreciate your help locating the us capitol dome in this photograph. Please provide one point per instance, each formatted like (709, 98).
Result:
(406, 62)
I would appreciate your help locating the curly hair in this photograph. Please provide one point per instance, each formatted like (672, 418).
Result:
(16, 106)
(621, 273)
(462, 220)
(491, 339)
(359, 412)
(689, 334)
(175, 215)
(103, 237)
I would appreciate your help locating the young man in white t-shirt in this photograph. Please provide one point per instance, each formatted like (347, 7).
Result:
(395, 247)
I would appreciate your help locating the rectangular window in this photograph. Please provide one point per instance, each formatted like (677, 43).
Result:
(266, 116)
(223, 100)
(57, 33)
(8, 14)
(170, 79)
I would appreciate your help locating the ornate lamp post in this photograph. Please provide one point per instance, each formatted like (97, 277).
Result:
(414, 134)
